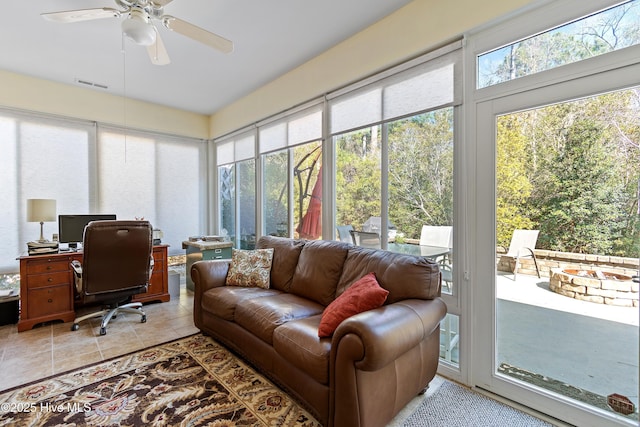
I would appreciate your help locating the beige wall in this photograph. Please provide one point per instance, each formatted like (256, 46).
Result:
(28, 93)
(415, 29)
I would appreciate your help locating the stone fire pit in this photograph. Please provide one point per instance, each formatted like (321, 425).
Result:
(595, 286)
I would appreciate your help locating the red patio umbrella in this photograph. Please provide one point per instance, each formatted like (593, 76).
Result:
(311, 225)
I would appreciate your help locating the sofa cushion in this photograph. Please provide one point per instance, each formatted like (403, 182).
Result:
(319, 269)
(297, 341)
(222, 301)
(261, 316)
(285, 258)
(250, 268)
(365, 294)
(404, 276)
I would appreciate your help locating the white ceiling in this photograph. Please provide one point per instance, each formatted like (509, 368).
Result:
(270, 38)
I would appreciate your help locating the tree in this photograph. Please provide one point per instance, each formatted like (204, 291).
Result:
(358, 177)
(421, 171)
(579, 205)
(513, 185)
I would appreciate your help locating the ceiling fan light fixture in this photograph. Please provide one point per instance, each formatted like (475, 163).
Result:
(138, 28)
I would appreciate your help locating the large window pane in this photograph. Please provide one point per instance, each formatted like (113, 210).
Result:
(307, 190)
(421, 187)
(276, 194)
(247, 205)
(158, 178)
(41, 158)
(358, 176)
(227, 201)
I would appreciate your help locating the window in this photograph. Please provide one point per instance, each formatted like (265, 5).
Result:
(597, 34)
(237, 188)
(158, 177)
(291, 151)
(90, 168)
(393, 138)
(36, 152)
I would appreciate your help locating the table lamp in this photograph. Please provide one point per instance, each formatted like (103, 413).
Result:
(41, 210)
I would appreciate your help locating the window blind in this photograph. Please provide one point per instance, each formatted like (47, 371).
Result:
(158, 177)
(42, 157)
(427, 83)
(240, 146)
(291, 129)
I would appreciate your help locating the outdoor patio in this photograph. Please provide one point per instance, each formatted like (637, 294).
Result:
(579, 348)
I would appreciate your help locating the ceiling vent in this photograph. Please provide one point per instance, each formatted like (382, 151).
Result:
(93, 84)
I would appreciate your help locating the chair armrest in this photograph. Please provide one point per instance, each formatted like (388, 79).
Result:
(385, 333)
(77, 267)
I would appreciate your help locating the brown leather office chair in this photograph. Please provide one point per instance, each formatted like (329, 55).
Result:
(117, 264)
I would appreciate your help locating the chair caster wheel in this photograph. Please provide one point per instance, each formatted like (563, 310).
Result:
(144, 319)
(103, 331)
(75, 327)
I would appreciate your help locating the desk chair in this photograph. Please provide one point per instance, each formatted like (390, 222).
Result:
(117, 264)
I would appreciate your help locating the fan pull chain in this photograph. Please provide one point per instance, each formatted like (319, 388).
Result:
(124, 93)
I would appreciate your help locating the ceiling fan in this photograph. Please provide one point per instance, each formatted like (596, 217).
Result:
(138, 25)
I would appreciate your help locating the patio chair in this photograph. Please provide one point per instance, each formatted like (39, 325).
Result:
(437, 235)
(523, 243)
(344, 233)
(440, 235)
(366, 239)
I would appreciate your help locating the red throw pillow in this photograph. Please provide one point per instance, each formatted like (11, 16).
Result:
(365, 294)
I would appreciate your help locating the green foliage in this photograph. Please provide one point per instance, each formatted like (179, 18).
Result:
(571, 170)
(421, 171)
(358, 177)
(420, 151)
(514, 186)
(275, 194)
(579, 208)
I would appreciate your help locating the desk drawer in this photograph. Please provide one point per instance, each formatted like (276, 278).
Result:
(51, 300)
(158, 262)
(48, 265)
(44, 280)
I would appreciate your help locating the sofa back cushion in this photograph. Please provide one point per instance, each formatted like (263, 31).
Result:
(319, 269)
(404, 276)
(285, 258)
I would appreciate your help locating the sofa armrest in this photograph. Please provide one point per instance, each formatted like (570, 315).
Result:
(387, 332)
(209, 274)
(381, 359)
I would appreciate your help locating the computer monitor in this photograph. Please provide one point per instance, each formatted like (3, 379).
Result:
(71, 227)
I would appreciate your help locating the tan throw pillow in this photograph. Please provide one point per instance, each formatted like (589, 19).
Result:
(250, 268)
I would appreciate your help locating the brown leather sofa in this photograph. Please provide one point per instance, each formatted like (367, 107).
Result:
(374, 363)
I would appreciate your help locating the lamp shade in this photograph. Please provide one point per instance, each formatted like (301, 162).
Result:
(138, 28)
(41, 210)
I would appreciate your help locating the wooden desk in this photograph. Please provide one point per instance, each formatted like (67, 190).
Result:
(47, 286)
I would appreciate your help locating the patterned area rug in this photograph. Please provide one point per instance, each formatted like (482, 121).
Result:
(192, 381)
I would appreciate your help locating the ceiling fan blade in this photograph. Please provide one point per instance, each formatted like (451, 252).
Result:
(161, 2)
(196, 33)
(157, 52)
(81, 15)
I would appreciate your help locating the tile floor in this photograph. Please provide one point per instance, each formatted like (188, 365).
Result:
(53, 348)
